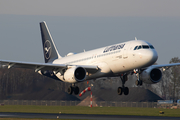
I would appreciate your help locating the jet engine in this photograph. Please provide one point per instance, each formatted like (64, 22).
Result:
(151, 75)
(75, 74)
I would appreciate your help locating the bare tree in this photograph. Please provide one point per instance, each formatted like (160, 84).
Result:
(175, 77)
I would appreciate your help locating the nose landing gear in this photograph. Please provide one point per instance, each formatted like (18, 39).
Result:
(138, 81)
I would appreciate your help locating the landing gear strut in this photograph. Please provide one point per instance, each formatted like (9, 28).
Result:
(74, 89)
(138, 81)
(123, 89)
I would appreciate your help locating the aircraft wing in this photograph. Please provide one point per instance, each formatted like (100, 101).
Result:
(165, 66)
(43, 66)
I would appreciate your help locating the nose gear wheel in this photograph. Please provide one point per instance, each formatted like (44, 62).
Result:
(138, 81)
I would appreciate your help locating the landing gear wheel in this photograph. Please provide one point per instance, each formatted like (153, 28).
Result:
(120, 90)
(137, 82)
(76, 90)
(126, 91)
(70, 90)
(123, 89)
(140, 82)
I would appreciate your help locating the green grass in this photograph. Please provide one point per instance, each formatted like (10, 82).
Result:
(93, 110)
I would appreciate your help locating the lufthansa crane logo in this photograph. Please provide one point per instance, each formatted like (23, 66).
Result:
(47, 49)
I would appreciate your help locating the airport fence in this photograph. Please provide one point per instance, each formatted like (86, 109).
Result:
(80, 103)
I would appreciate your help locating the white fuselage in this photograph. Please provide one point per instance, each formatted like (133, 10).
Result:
(115, 59)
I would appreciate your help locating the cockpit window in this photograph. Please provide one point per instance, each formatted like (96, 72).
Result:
(151, 47)
(135, 48)
(145, 47)
(139, 47)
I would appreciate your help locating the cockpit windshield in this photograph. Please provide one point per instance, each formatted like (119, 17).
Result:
(143, 47)
(135, 47)
(151, 47)
(139, 47)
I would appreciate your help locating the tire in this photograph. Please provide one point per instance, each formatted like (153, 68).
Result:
(126, 91)
(70, 90)
(137, 82)
(76, 90)
(120, 90)
(140, 82)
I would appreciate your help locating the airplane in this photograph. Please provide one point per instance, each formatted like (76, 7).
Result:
(131, 57)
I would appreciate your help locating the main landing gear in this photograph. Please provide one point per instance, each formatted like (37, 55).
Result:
(74, 89)
(138, 81)
(123, 89)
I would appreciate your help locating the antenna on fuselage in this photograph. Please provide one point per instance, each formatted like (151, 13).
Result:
(135, 38)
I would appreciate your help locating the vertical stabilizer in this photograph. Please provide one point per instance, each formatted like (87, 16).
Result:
(49, 48)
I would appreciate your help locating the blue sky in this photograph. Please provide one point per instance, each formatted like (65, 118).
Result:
(78, 25)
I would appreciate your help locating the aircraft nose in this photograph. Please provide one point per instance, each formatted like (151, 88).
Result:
(151, 56)
(148, 57)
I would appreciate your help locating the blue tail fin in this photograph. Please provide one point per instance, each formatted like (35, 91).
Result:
(49, 48)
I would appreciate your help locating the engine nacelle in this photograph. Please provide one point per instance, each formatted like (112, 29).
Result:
(151, 75)
(75, 74)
